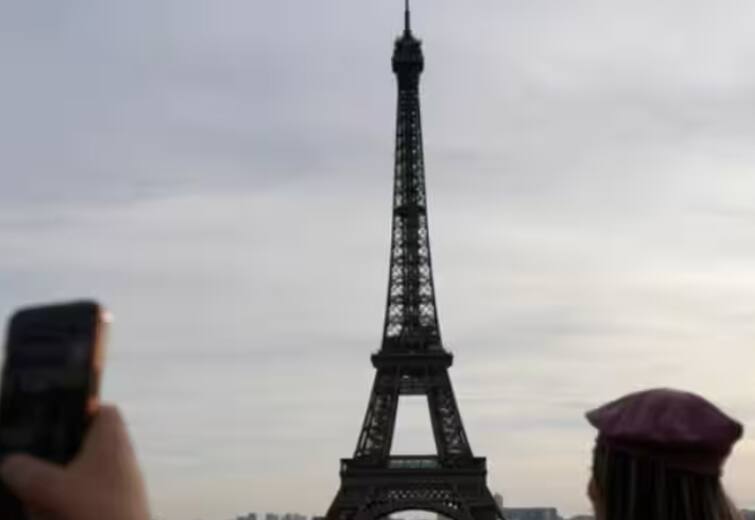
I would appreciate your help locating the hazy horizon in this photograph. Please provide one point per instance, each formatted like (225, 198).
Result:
(220, 175)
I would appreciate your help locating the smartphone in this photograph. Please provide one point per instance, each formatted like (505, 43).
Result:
(50, 378)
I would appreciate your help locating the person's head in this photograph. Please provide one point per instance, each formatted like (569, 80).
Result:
(659, 456)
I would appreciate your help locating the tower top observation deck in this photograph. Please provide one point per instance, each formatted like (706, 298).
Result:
(408, 61)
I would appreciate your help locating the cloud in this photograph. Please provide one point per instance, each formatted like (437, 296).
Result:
(220, 176)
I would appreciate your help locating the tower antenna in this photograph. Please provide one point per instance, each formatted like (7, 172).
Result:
(407, 18)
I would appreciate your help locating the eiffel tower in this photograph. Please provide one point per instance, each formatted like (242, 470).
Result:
(411, 360)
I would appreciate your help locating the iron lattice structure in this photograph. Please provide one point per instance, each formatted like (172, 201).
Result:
(412, 359)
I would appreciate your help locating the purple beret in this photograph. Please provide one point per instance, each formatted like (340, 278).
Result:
(681, 429)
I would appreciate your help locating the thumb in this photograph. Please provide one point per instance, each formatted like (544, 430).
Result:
(35, 482)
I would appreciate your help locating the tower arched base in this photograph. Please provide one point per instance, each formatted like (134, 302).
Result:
(413, 483)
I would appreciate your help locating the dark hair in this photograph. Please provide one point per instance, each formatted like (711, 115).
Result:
(632, 487)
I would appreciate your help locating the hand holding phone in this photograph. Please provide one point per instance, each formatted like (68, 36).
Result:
(50, 382)
(102, 482)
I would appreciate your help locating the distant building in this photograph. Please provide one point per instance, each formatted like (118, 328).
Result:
(271, 516)
(582, 517)
(531, 513)
(748, 514)
(248, 516)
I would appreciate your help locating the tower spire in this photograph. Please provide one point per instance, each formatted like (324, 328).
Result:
(407, 18)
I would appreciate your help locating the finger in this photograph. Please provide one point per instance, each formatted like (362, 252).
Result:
(107, 432)
(36, 482)
(107, 417)
(107, 449)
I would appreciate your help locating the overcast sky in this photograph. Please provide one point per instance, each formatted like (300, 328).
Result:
(220, 173)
